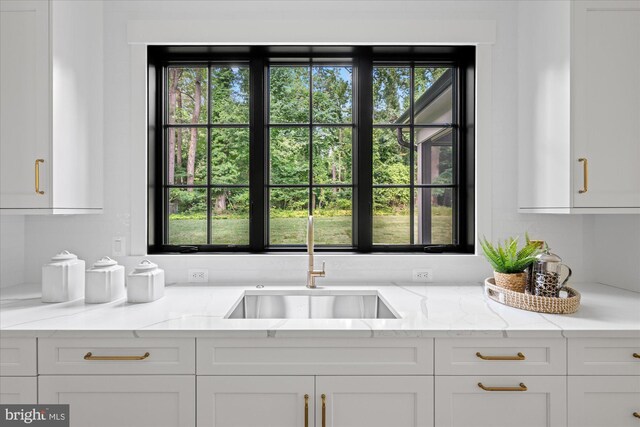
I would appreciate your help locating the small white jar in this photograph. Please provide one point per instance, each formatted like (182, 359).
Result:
(63, 278)
(145, 283)
(104, 282)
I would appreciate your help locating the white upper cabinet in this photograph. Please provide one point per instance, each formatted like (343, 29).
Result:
(51, 116)
(579, 107)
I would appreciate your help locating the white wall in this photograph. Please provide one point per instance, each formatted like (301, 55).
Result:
(12, 240)
(90, 236)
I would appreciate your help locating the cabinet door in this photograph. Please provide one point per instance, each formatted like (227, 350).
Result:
(25, 114)
(123, 401)
(371, 401)
(604, 401)
(606, 103)
(252, 401)
(461, 402)
(17, 390)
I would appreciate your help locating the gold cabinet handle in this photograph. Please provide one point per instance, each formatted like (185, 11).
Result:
(585, 175)
(306, 410)
(37, 172)
(518, 356)
(324, 410)
(90, 356)
(637, 415)
(521, 387)
(636, 355)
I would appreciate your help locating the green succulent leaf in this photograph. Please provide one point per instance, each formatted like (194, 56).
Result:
(507, 258)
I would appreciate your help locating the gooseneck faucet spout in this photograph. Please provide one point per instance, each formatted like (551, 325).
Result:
(311, 272)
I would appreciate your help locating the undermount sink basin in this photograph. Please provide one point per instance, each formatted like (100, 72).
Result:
(311, 304)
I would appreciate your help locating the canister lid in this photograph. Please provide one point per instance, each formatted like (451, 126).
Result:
(146, 265)
(105, 262)
(64, 256)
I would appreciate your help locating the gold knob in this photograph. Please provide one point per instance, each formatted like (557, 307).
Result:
(636, 355)
(521, 387)
(518, 356)
(637, 415)
(90, 356)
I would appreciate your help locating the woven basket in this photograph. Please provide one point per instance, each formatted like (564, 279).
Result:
(514, 282)
(532, 302)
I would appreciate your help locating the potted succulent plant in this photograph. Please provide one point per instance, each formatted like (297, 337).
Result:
(509, 263)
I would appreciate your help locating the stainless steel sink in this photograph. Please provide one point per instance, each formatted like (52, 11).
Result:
(311, 304)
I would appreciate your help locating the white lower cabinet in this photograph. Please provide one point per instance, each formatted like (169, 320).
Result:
(607, 401)
(255, 401)
(18, 390)
(501, 401)
(374, 401)
(323, 401)
(123, 400)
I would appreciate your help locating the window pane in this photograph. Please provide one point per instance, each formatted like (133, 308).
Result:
(332, 216)
(433, 215)
(288, 213)
(229, 94)
(433, 156)
(229, 156)
(187, 216)
(391, 216)
(289, 94)
(391, 156)
(230, 216)
(391, 94)
(332, 155)
(289, 155)
(433, 95)
(188, 164)
(332, 94)
(187, 95)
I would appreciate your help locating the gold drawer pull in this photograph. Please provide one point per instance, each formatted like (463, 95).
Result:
(324, 410)
(521, 387)
(637, 415)
(518, 356)
(306, 410)
(90, 356)
(636, 355)
(37, 172)
(585, 175)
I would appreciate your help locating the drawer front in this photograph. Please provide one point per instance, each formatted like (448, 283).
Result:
(604, 401)
(501, 356)
(604, 356)
(292, 356)
(17, 356)
(18, 390)
(116, 356)
(505, 401)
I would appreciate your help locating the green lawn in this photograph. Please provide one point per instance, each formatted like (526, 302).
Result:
(389, 229)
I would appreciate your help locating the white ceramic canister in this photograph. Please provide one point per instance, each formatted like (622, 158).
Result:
(63, 278)
(104, 282)
(145, 283)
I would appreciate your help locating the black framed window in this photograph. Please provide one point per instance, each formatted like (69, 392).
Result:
(376, 142)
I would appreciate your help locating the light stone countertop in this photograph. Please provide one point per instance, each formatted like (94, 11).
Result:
(431, 310)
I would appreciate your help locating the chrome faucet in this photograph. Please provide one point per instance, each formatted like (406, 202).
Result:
(311, 272)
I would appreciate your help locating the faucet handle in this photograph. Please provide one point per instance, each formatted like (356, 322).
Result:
(323, 268)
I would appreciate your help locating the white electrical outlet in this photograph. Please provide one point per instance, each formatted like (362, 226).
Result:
(423, 275)
(198, 275)
(119, 246)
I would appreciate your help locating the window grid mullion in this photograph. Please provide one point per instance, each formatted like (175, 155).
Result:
(209, 105)
(311, 194)
(411, 157)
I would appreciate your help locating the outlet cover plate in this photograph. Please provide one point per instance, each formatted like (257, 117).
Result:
(198, 275)
(424, 275)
